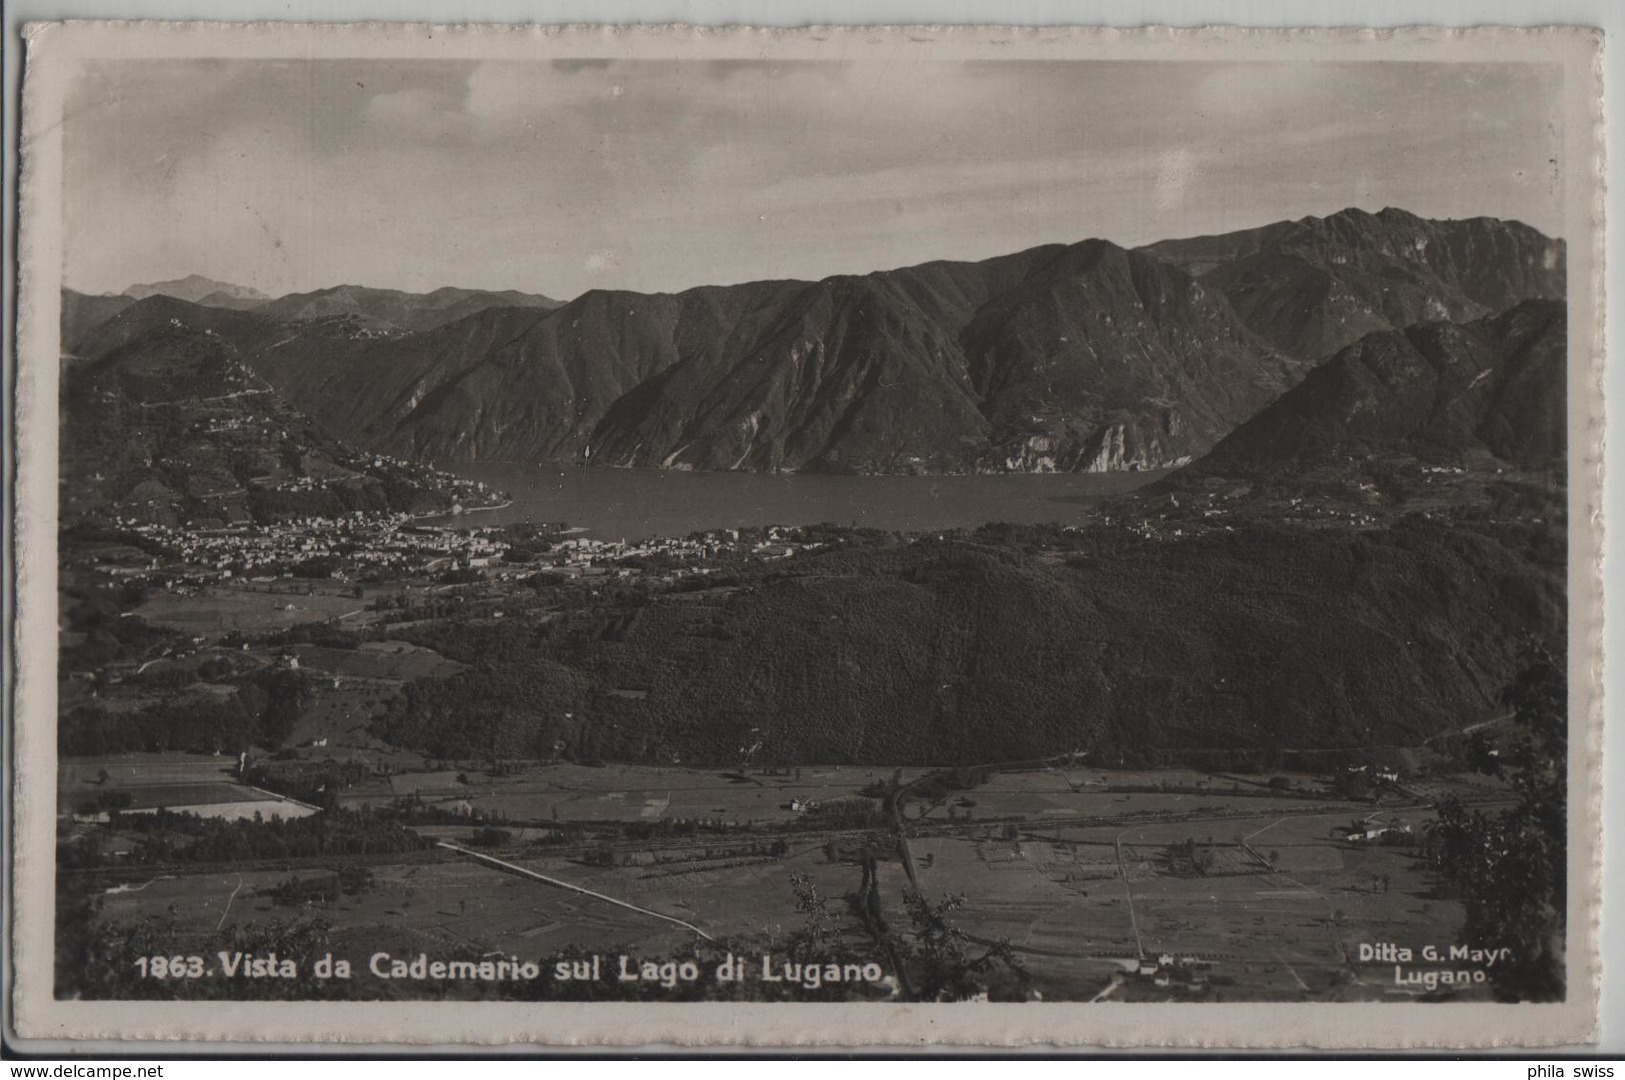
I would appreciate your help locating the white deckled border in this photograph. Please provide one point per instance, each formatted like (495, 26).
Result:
(54, 52)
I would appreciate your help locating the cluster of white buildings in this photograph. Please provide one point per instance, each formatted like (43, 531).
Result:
(396, 544)
(777, 542)
(364, 540)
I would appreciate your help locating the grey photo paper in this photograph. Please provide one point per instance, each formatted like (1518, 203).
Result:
(846, 536)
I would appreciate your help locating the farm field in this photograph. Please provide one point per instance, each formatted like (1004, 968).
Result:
(1270, 936)
(350, 689)
(455, 903)
(232, 809)
(1035, 797)
(392, 661)
(567, 792)
(1291, 931)
(1276, 911)
(213, 611)
(462, 903)
(205, 786)
(1061, 792)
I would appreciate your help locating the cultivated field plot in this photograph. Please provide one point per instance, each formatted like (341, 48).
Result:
(459, 905)
(196, 903)
(215, 611)
(342, 716)
(462, 902)
(390, 661)
(263, 808)
(462, 834)
(199, 785)
(1035, 796)
(1278, 907)
(350, 689)
(1034, 893)
(126, 771)
(733, 897)
(566, 792)
(1291, 930)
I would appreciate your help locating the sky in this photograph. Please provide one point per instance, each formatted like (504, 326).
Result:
(561, 176)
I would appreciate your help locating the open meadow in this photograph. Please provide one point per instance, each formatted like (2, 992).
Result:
(216, 610)
(1278, 908)
(135, 783)
(1086, 874)
(617, 792)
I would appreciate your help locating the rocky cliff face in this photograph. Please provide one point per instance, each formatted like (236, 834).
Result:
(1117, 360)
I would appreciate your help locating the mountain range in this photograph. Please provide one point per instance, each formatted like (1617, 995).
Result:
(383, 311)
(1065, 357)
(1291, 588)
(162, 421)
(392, 309)
(199, 290)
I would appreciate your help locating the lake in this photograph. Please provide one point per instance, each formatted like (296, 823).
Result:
(638, 503)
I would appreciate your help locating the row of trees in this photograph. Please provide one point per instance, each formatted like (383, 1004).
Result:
(317, 782)
(1510, 868)
(169, 836)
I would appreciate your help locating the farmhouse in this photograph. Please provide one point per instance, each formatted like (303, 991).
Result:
(1365, 832)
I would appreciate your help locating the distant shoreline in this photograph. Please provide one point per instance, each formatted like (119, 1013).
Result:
(638, 503)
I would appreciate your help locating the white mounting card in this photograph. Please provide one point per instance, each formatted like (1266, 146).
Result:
(850, 536)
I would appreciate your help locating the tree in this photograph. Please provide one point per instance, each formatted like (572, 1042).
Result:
(936, 953)
(811, 942)
(1511, 868)
(287, 694)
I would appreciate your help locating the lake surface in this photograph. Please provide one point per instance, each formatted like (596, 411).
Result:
(638, 503)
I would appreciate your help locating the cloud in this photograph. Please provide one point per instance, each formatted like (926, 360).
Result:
(660, 175)
(1175, 168)
(1240, 90)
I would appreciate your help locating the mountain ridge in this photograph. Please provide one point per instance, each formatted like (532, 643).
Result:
(870, 373)
(1061, 357)
(1315, 285)
(167, 424)
(1440, 391)
(395, 308)
(194, 288)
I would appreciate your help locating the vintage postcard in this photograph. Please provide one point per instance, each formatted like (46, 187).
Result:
(651, 535)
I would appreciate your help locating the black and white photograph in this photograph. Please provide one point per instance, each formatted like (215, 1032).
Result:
(780, 519)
